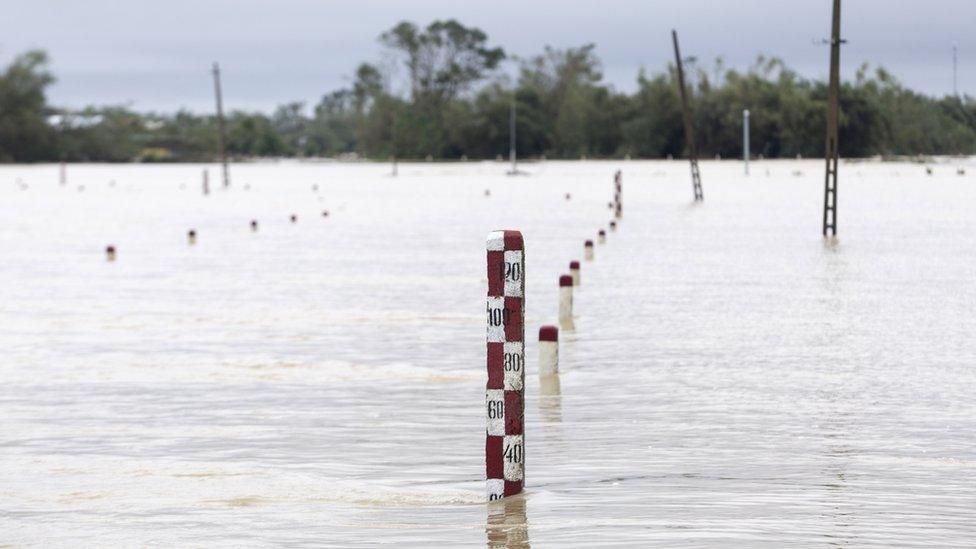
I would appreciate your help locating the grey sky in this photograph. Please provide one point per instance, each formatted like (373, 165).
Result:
(157, 54)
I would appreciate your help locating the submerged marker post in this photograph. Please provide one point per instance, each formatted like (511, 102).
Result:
(566, 302)
(505, 392)
(548, 350)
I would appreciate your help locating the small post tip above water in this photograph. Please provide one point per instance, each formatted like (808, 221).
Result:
(191, 236)
(254, 225)
(574, 271)
(293, 218)
(569, 196)
(325, 213)
(110, 252)
(548, 350)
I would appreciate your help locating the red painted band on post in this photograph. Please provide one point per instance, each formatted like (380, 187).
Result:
(565, 280)
(574, 265)
(548, 333)
(589, 244)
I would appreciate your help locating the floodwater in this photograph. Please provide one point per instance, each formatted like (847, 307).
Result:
(732, 380)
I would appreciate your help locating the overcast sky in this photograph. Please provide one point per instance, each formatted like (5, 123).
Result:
(156, 55)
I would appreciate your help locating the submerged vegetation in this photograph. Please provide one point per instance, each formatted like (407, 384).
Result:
(446, 97)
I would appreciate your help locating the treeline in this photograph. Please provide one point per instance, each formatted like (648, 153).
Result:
(445, 97)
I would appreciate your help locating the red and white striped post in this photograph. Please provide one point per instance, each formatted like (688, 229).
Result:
(618, 209)
(566, 302)
(505, 392)
(548, 350)
(574, 271)
(588, 250)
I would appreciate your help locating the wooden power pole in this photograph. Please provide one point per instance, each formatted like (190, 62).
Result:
(831, 153)
(221, 129)
(689, 129)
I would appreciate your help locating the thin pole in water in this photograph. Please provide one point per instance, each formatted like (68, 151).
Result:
(831, 153)
(221, 128)
(689, 128)
(505, 392)
(745, 139)
(512, 156)
(393, 134)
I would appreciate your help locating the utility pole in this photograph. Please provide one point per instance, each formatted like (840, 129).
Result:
(831, 153)
(511, 135)
(955, 69)
(222, 137)
(689, 130)
(393, 135)
(745, 139)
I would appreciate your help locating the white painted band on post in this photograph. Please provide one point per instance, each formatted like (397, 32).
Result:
(566, 303)
(574, 271)
(588, 250)
(548, 350)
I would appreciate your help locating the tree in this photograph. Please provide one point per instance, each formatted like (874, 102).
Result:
(25, 135)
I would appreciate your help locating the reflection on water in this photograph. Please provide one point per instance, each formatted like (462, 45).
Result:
(550, 399)
(507, 526)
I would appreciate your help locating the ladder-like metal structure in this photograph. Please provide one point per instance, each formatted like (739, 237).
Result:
(831, 152)
(221, 127)
(689, 128)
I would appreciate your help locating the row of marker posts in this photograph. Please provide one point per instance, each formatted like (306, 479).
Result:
(191, 235)
(505, 391)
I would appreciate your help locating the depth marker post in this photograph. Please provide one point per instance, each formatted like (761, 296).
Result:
(505, 392)
(574, 271)
(588, 250)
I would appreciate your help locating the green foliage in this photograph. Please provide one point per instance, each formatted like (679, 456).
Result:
(456, 104)
(25, 135)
